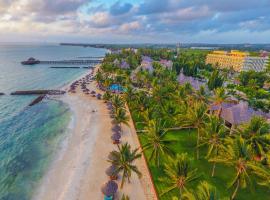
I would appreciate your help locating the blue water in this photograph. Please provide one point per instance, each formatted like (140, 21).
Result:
(30, 135)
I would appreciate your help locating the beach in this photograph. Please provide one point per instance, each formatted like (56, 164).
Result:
(78, 170)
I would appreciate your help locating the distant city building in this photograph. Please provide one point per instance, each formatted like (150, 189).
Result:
(239, 61)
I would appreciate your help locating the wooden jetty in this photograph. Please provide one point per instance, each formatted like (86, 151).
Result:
(87, 57)
(70, 62)
(33, 61)
(37, 100)
(66, 67)
(38, 92)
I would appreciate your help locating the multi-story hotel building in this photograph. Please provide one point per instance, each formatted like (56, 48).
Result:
(239, 61)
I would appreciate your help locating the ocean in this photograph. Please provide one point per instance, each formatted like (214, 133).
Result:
(29, 136)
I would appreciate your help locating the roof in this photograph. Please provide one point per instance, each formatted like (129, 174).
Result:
(124, 65)
(146, 59)
(166, 63)
(240, 113)
(222, 106)
(195, 83)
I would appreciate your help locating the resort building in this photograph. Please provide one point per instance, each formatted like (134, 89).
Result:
(147, 64)
(168, 64)
(235, 114)
(239, 61)
(195, 83)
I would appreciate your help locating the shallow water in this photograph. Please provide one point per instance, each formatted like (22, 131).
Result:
(30, 135)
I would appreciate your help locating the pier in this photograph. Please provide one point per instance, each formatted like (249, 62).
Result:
(71, 67)
(33, 61)
(70, 62)
(37, 100)
(38, 92)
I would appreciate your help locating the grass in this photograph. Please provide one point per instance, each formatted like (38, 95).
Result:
(186, 141)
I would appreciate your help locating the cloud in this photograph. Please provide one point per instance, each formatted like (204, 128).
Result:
(127, 27)
(118, 8)
(174, 19)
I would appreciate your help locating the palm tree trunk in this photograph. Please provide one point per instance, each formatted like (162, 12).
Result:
(121, 128)
(123, 179)
(236, 189)
(180, 193)
(198, 142)
(219, 112)
(213, 169)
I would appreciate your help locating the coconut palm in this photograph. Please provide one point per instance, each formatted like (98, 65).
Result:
(195, 118)
(121, 117)
(99, 77)
(214, 133)
(156, 142)
(238, 156)
(107, 96)
(117, 102)
(204, 191)
(179, 174)
(123, 160)
(256, 134)
(125, 197)
(220, 97)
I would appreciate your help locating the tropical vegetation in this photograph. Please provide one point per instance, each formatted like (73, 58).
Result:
(191, 152)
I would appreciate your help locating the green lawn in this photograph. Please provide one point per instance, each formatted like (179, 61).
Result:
(185, 143)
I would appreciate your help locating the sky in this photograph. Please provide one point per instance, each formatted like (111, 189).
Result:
(135, 21)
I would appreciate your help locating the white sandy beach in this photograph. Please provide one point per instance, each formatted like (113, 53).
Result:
(78, 170)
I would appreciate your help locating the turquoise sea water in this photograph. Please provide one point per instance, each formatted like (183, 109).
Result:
(30, 135)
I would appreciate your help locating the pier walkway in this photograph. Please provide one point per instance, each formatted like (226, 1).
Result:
(71, 62)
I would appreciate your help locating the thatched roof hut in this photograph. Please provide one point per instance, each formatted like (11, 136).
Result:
(109, 188)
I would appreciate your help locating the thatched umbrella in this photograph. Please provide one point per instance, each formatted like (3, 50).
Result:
(111, 172)
(99, 96)
(109, 188)
(116, 128)
(116, 137)
(111, 156)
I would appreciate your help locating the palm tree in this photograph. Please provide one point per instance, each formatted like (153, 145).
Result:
(179, 174)
(99, 77)
(204, 191)
(219, 98)
(195, 118)
(237, 155)
(125, 197)
(214, 133)
(123, 160)
(256, 134)
(156, 142)
(121, 117)
(117, 102)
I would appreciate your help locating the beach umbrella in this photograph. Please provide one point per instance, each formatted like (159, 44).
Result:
(116, 128)
(112, 172)
(111, 156)
(116, 137)
(109, 188)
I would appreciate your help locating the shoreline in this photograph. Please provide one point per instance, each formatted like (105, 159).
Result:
(77, 170)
